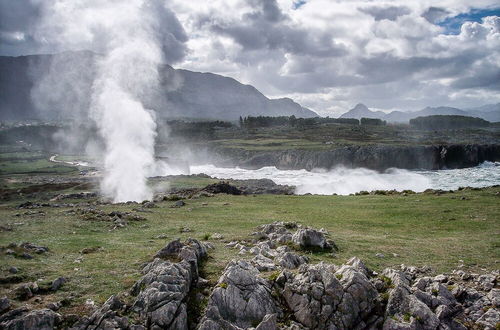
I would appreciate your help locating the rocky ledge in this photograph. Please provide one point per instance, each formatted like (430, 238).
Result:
(274, 286)
(376, 157)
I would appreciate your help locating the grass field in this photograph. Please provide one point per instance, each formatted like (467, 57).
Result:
(441, 231)
(18, 160)
(331, 136)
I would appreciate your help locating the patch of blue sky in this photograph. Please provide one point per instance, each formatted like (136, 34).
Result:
(452, 24)
(298, 3)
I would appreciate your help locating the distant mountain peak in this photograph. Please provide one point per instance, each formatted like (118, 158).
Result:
(490, 112)
(362, 111)
(360, 106)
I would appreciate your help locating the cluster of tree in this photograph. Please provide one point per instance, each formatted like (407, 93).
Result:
(265, 121)
(373, 121)
(438, 122)
(196, 129)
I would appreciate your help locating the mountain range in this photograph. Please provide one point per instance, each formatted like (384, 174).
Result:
(59, 86)
(490, 112)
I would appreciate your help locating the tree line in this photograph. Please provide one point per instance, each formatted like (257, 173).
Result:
(292, 121)
(440, 122)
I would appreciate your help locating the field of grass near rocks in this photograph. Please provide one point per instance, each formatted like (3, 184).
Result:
(459, 230)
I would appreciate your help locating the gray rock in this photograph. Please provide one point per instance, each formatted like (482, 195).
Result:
(404, 310)
(34, 248)
(270, 322)
(179, 204)
(172, 249)
(240, 300)
(440, 278)
(487, 281)
(23, 292)
(278, 227)
(310, 238)
(490, 319)
(217, 236)
(149, 205)
(289, 260)
(202, 283)
(57, 283)
(263, 264)
(54, 306)
(494, 297)
(26, 255)
(444, 296)
(448, 312)
(43, 319)
(422, 283)
(106, 317)
(359, 266)
(426, 298)
(4, 304)
(278, 232)
(162, 291)
(13, 270)
(319, 300)
(161, 294)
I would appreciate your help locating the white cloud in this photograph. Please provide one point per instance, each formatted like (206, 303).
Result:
(329, 55)
(332, 54)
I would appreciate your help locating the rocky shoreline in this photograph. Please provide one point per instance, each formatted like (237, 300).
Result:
(375, 157)
(273, 286)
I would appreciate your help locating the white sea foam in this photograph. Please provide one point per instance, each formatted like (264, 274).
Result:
(345, 181)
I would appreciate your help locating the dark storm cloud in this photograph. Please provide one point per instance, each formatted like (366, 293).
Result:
(487, 77)
(19, 19)
(435, 14)
(270, 11)
(391, 13)
(17, 15)
(169, 32)
(386, 68)
(260, 30)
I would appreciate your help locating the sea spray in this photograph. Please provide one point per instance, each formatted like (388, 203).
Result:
(126, 37)
(125, 74)
(344, 181)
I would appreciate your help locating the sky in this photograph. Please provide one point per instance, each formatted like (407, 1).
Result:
(328, 55)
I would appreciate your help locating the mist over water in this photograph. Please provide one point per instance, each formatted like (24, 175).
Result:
(127, 36)
(128, 128)
(345, 181)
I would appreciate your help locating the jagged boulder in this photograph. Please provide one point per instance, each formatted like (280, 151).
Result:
(289, 260)
(222, 187)
(161, 294)
(412, 311)
(308, 238)
(22, 318)
(357, 264)
(162, 291)
(106, 317)
(321, 297)
(241, 299)
(4, 304)
(277, 232)
(490, 319)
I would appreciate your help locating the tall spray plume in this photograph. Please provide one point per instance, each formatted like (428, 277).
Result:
(124, 34)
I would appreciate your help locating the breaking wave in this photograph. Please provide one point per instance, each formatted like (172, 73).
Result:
(344, 181)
